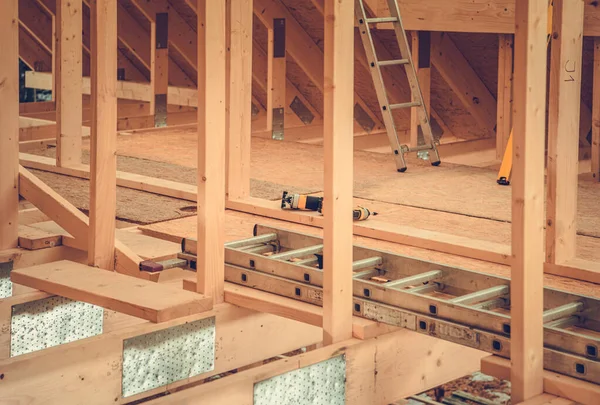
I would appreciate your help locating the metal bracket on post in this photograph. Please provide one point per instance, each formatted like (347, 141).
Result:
(278, 123)
(279, 100)
(162, 72)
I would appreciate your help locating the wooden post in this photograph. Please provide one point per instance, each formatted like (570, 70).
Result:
(159, 66)
(596, 113)
(103, 164)
(529, 114)
(211, 148)
(276, 78)
(54, 52)
(563, 130)
(338, 152)
(68, 76)
(504, 99)
(9, 124)
(421, 54)
(240, 99)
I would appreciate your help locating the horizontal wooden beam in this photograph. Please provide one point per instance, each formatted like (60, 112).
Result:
(140, 298)
(490, 16)
(125, 90)
(22, 258)
(33, 238)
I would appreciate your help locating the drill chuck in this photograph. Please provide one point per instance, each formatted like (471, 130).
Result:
(291, 201)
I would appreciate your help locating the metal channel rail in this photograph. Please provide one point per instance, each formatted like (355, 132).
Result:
(457, 305)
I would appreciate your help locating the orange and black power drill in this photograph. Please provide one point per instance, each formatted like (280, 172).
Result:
(291, 201)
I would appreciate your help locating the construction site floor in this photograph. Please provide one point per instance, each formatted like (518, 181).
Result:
(454, 199)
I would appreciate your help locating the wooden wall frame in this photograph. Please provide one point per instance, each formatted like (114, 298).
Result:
(220, 139)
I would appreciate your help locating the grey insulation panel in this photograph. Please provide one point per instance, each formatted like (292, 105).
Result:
(51, 322)
(323, 383)
(5, 283)
(165, 356)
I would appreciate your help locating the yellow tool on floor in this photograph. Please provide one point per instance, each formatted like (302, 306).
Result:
(506, 167)
(292, 201)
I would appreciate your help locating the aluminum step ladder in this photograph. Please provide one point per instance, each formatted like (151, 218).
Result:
(364, 24)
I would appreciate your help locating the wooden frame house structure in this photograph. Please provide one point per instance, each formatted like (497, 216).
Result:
(86, 321)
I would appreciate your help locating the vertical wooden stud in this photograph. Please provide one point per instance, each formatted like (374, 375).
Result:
(596, 113)
(103, 163)
(68, 76)
(159, 66)
(54, 52)
(563, 130)
(152, 66)
(504, 99)
(276, 78)
(240, 99)
(421, 54)
(211, 148)
(529, 114)
(9, 123)
(338, 152)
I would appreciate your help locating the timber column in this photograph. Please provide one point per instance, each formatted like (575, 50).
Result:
(9, 124)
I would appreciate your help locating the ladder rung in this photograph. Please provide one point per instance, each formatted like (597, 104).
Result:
(483, 295)
(260, 249)
(563, 322)
(424, 289)
(491, 304)
(266, 238)
(563, 311)
(311, 261)
(414, 280)
(407, 149)
(405, 105)
(381, 20)
(365, 273)
(393, 62)
(368, 262)
(302, 252)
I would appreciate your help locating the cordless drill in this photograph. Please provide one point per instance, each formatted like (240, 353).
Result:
(292, 201)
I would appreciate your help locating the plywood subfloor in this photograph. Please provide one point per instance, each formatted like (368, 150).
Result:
(455, 199)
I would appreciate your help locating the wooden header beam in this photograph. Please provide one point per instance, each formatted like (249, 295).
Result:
(486, 16)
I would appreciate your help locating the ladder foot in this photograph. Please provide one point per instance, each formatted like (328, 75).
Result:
(437, 163)
(503, 181)
(402, 170)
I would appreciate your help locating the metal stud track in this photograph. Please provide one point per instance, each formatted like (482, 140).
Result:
(454, 304)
